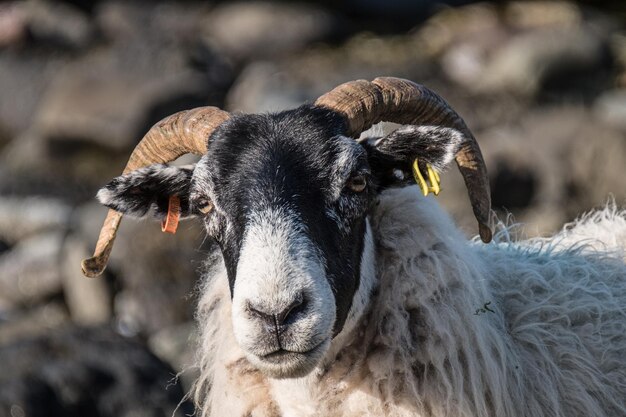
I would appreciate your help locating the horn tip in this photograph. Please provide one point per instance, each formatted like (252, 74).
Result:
(92, 267)
(485, 233)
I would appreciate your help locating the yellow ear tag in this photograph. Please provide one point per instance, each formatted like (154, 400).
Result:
(433, 178)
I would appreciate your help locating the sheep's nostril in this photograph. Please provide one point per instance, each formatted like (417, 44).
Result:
(268, 318)
(273, 320)
(296, 305)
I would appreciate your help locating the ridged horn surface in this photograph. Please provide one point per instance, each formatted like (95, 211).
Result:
(365, 103)
(181, 133)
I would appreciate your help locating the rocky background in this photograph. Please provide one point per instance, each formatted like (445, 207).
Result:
(541, 84)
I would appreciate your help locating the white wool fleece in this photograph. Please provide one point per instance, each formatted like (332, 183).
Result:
(456, 328)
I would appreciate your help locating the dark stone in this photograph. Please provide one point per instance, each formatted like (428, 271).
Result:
(58, 26)
(247, 30)
(512, 189)
(77, 372)
(4, 246)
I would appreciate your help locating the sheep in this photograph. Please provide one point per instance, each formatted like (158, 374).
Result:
(449, 313)
(342, 291)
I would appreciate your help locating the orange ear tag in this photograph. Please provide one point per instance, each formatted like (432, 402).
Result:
(170, 224)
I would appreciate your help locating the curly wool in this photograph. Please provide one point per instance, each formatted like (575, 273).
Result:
(533, 328)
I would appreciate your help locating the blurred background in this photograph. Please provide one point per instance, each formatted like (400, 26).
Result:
(542, 85)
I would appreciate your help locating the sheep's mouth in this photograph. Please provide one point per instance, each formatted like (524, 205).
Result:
(282, 355)
(284, 363)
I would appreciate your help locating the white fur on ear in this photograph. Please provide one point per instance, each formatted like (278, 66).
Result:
(435, 145)
(447, 139)
(139, 192)
(105, 196)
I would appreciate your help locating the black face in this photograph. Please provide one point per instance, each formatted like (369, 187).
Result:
(299, 164)
(298, 161)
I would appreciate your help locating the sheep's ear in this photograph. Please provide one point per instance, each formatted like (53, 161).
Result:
(391, 157)
(148, 190)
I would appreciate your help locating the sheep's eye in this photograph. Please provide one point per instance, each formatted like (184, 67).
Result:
(357, 183)
(204, 206)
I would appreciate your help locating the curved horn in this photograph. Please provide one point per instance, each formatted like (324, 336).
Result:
(365, 103)
(181, 133)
